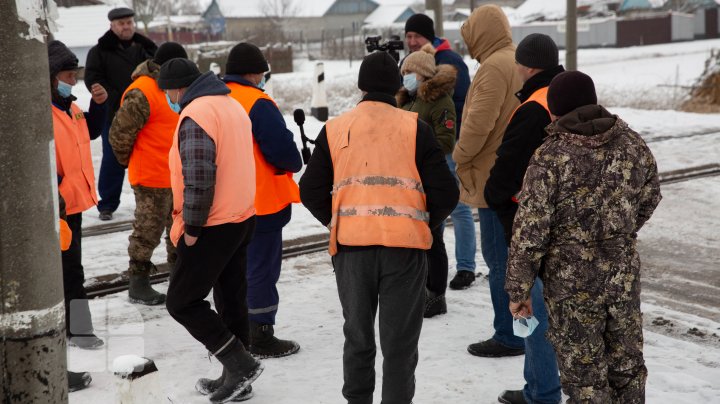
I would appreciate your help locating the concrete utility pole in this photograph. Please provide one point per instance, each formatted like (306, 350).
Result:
(571, 35)
(32, 344)
(437, 9)
(472, 5)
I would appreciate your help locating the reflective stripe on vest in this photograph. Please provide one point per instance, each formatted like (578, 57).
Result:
(229, 127)
(275, 189)
(73, 159)
(377, 196)
(148, 165)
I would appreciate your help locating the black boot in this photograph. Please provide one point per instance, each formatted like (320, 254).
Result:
(264, 344)
(512, 397)
(462, 280)
(78, 380)
(140, 290)
(208, 386)
(240, 369)
(493, 349)
(85, 341)
(434, 304)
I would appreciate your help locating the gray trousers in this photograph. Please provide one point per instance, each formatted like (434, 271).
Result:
(394, 278)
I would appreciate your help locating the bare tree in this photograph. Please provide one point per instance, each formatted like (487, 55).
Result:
(278, 12)
(146, 10)
(185, 7)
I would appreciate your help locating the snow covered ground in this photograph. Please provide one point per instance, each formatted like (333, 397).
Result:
(683, 367)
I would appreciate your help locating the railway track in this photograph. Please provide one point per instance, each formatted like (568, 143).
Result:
(114, 283)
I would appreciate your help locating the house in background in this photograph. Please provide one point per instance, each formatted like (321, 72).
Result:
(81, 37)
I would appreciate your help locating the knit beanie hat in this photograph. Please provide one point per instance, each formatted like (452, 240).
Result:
(421, 24)
(60, 58)
(421, 62)
(569, 91)
(169, 50)
(379, 74)
(538, 51)
(246, 58)
(177, 73)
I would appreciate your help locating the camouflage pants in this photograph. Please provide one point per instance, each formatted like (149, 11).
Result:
(599, 348)
(153, 215)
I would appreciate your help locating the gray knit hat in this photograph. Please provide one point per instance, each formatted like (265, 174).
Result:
(60, 58)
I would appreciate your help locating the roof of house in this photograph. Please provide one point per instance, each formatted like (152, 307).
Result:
(263, 8)
(386, 15)
(82, 26)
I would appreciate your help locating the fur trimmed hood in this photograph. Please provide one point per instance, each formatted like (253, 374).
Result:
(434, 88)
(147, 68)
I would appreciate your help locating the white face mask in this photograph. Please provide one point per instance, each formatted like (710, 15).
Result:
(410, 82)
(524, 327)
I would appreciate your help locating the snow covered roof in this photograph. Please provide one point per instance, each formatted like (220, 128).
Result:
(263, 8)
(555, 9)
(386, 15)
(177, 20)
(82, 26)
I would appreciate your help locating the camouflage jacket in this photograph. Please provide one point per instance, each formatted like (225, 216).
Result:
(132, 115)
(589, 188)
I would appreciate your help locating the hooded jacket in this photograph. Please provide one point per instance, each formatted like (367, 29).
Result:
(111, 64)
(588, 190)
(490, 100)
(434, 104)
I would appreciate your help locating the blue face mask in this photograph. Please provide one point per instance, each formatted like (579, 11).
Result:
(173, 105)
(524, 327)
(64, 89)
(410, 82)
(262, 82)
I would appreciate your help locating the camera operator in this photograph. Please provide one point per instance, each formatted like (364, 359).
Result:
(419, 30)
(372, 43)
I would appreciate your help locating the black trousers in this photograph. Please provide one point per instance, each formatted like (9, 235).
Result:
(394, 279)
(77, 311)
(437, 263)
(217, 261)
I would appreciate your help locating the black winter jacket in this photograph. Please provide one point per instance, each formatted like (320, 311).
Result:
(111, 64)
(524, 134)
(441, 190)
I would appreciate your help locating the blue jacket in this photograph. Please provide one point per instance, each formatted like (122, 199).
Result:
(444, 55)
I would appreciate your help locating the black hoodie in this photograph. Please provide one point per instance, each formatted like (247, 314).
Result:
(524, 134)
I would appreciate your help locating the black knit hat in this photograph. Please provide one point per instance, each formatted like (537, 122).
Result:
(379, 73)
(120, 12)
(246, 58)
(60, 58)
(569, 91)
(538, 51)
(169, 50)
(177, 73)
(421, 24)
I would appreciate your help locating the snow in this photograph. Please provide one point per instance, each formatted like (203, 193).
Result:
(683, 367)
(385, 15)
(125, 364)
(261, 8)
(94, 25)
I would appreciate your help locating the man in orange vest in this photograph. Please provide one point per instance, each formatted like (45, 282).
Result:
(141, 135)
(380, 182)
(73, 130)
(537, 63)
(276, 159)
(212, 174)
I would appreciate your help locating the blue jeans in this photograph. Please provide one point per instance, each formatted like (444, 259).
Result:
(464, 228)
(112, 176)
(541, 371)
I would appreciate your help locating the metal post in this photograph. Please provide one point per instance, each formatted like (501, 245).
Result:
(437, 9)
(472, 5)
(571, 35)
(32, 348)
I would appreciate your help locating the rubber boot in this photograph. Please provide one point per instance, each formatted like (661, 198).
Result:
(208, 386)
(264, 344)
(240, 370)
(78, 380)
(140, 290)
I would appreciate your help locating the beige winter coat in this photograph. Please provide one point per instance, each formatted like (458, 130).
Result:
(490, 100)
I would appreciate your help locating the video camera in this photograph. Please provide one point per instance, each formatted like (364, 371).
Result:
(372, 43)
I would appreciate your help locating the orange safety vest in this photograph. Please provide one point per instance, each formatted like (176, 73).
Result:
(73, 159)
(65, 235)
(275, 189)
(377, 196)
(148, 165)
(229, 126)
(539, 96)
